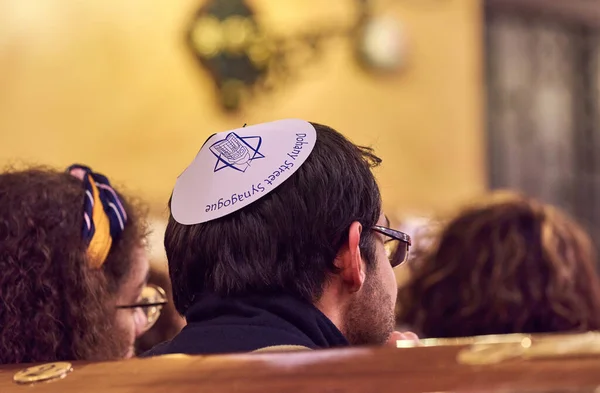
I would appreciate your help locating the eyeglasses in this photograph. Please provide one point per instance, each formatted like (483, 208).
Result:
(397, 247)
(151, 302)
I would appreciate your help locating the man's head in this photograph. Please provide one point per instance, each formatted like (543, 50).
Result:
(309, 237)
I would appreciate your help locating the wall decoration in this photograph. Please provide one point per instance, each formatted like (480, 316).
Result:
(243, 58)
(380, 42)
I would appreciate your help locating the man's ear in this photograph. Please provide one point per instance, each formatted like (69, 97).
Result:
(349, 261)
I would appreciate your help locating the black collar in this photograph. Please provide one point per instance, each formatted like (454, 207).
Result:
(247, 323)
(262, 320)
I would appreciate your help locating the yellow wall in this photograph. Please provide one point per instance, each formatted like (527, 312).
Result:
(110, 84)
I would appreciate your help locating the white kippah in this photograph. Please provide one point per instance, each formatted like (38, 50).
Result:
(238, 167)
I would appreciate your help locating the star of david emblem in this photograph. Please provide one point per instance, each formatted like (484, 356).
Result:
(236, 152)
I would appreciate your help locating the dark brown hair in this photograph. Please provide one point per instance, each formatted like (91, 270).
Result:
(508, 265)
(53, 305)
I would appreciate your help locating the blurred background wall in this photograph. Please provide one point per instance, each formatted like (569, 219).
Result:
(113, 85)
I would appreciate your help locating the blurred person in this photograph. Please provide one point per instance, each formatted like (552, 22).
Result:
(509, 264)
(420, 229)
(276, 240)
(74, 268)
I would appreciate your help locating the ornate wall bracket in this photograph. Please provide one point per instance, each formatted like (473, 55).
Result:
(243, 58)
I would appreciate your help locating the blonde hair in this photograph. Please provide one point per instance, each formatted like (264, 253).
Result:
(507, 264)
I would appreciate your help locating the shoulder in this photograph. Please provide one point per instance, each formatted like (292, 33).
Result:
(160, 349)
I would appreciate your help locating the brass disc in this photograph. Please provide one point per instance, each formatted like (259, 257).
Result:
(43, 372)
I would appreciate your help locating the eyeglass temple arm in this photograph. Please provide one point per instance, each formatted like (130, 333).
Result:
(144, 305)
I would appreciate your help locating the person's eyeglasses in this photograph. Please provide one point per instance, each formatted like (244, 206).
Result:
(397, 246)
(151, 302)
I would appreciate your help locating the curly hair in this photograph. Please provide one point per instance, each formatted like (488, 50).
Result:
(507, 265)
(54, 306)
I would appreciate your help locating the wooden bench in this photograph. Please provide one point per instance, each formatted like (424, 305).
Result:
(435, 367)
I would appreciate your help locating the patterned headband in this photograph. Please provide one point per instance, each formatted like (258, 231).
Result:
(104, 217)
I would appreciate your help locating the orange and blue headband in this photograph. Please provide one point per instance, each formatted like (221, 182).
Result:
(104, 217)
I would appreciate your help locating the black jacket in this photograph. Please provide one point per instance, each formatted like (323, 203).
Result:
(227, 325)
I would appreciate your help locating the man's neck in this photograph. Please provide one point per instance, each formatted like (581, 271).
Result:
(332, 307)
